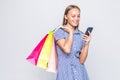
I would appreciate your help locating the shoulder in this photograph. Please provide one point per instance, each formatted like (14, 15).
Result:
(59, 34)
(59, 31)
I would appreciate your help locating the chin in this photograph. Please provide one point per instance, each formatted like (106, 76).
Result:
(75, 25)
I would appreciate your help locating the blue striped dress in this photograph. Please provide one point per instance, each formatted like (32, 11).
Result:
(69, 66)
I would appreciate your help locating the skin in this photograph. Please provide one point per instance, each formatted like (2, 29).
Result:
(73, 18)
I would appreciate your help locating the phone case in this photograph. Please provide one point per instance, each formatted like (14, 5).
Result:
(89, 29)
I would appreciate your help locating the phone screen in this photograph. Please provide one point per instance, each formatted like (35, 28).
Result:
(89, 29)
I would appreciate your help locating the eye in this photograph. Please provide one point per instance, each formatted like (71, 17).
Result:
(73, 16)
(78, 16)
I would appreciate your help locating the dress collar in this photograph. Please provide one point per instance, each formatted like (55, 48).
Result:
(76, 31)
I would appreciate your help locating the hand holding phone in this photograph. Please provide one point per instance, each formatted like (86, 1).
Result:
(89, 29)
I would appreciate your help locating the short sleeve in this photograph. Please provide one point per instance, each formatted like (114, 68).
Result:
(59, 34)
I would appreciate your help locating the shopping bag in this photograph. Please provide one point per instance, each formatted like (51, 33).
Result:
(45, 55)
(45, 52)
(52, 62)
(33, 57)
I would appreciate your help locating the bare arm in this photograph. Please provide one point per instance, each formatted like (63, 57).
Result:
(84, 51)
(66, 45)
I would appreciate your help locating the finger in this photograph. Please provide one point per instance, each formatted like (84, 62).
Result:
(61, 25)
(85, 36)
(89, 33)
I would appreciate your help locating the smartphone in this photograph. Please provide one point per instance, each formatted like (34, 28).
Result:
(89, 29)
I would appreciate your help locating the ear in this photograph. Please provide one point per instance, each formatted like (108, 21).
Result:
(65, 17)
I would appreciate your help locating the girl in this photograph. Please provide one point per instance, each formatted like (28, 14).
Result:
(72, 47)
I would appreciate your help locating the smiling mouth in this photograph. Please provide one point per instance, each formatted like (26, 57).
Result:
(76, 22)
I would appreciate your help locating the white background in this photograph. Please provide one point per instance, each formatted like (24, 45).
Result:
(23, 23)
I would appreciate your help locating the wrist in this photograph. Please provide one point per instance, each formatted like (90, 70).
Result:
(87, 43)
(71, 33)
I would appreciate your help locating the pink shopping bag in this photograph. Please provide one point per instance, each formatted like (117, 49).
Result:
(33, 57)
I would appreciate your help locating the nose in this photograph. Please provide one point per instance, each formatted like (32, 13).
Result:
(77, 18)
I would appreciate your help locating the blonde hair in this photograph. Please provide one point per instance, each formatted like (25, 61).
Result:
(66, 12)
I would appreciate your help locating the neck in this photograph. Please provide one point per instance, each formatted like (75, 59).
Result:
(72, 27)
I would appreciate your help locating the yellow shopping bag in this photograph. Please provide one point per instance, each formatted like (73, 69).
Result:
(45, 52)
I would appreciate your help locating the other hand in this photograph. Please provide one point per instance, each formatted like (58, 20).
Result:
(86, 38)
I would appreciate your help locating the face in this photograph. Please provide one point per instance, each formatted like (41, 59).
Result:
(73, 17)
